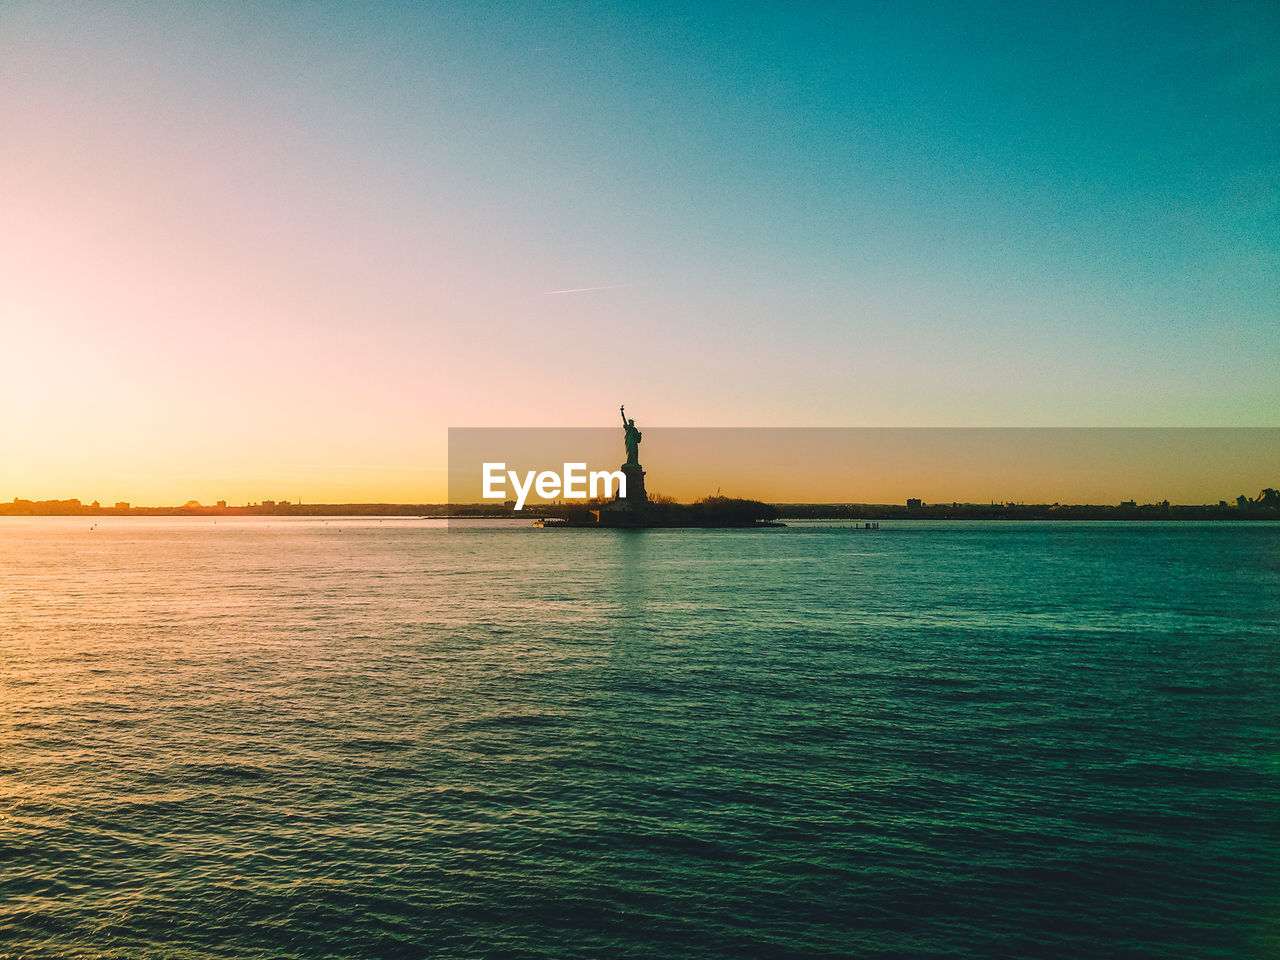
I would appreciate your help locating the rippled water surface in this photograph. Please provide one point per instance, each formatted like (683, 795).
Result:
(357, 738)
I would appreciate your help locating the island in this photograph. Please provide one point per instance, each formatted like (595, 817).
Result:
(636, 509)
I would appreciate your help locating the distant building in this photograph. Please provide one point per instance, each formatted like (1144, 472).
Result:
(122, 505)
(222, 504)
(1129, 504)
(914, 504)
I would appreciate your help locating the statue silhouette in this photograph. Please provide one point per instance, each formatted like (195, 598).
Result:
(631, 437)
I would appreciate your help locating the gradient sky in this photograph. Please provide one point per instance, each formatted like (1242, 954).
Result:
(270, 251)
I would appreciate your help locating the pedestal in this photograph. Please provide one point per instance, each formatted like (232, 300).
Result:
(635, 483)
(633, 510)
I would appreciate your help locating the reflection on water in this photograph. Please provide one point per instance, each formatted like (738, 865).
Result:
(384, 738)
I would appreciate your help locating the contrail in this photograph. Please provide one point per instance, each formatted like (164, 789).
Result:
(612, 286)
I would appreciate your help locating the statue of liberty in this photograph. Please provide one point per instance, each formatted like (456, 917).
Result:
(631, 437)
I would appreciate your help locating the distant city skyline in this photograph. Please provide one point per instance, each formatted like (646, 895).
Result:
(278, 251)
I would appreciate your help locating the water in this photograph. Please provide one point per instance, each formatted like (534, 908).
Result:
(361, 738)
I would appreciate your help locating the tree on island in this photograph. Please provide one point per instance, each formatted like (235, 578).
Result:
(732, 510)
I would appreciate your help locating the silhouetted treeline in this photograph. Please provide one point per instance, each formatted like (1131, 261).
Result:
(1259, 509)
(710, 510)
(46, 508)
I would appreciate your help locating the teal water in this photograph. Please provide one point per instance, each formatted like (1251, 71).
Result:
(363, 738)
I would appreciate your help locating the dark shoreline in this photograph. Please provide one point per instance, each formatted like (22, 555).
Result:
(1252, 510)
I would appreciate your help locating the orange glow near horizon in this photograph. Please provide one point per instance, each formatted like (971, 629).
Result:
(866, 465)
(773, 464)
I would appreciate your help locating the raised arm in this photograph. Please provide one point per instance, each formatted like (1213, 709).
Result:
(623, 410)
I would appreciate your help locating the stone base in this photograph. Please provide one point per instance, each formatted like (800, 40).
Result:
(633, 510)
(624, 513)
(635, 483)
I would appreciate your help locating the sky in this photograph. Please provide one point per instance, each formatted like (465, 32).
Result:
(271, 251)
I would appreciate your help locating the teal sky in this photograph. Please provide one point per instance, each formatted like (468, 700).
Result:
(250, 247)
